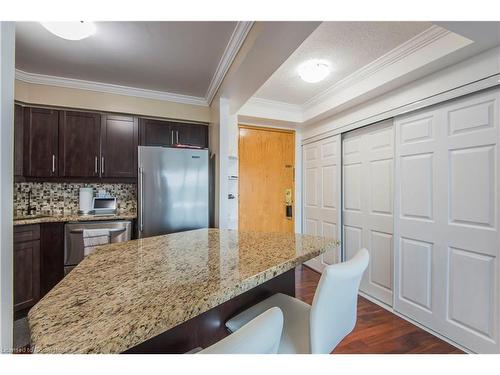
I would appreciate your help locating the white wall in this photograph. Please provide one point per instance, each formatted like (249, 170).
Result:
(7, 51)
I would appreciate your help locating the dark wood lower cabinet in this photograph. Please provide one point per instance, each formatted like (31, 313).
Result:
(26, 267)
(38, 263)
(51, 256)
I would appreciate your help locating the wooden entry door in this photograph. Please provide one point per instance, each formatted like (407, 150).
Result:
(266, 175)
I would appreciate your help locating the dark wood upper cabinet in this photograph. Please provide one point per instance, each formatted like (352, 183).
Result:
(79, 144)
(41, 131)
(155, 133)
(62, 145)
(119, 146)
(170, 133)
(190, 134)
(26, 266)
(18, 140)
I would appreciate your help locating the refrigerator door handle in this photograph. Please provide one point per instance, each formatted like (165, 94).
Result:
(141, 199)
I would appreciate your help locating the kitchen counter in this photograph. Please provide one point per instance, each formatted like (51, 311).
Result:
(39, 219)
(126, 293)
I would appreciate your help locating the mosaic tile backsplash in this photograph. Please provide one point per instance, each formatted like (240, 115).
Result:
(63, 198)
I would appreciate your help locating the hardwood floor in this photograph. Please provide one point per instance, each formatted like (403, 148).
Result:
(377, 330)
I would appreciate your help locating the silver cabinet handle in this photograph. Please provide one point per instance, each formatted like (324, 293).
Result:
(172, 136)
(102, 165)
(177, 132)
(95, 165)
(53, 163)
(141, 192)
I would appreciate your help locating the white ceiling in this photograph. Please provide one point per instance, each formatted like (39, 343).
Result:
(175, 57)
(347, 46)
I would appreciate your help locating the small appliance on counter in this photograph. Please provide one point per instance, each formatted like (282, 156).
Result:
(105, 205)
(86, 196)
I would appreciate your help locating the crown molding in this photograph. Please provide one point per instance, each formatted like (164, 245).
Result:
(235, 41)
(272, 109)
(426, 37)
(299, 112)
(233, 46)
(42, 79)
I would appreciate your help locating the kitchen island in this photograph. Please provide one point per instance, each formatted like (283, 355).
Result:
(166, 294)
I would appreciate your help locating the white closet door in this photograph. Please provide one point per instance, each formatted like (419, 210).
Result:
(447, 230)
(321, 189)
(368, 170)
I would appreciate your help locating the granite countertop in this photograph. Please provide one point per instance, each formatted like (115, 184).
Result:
(126, 293)
(48, 218)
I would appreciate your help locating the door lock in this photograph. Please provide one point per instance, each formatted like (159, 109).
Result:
(288, 204)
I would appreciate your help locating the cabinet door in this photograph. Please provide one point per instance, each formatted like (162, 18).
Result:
(119, 146)
(156, 133)
(18, 140)
(79, 144)
(190, 134)
(41, 132)
(26, 274)
(51, 256)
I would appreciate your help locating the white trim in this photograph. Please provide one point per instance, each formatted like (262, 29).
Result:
(42, 79)
(470, 88)
(409, 320)
(362, 85)
(272, 109)
(233, 46)
(428, 36)
(235, 41)
(275, 104)
(7, 51)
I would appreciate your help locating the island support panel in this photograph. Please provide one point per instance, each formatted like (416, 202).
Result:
(208, 327)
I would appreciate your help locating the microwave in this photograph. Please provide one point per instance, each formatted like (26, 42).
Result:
(104, 205)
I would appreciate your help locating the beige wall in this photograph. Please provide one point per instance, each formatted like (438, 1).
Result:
(92, 100)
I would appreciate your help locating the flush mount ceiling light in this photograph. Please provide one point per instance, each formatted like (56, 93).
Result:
(71, 30)
(313, 71)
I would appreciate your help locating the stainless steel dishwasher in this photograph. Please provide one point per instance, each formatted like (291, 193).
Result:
(119, 231)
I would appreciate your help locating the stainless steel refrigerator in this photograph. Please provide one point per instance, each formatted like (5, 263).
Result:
(173, 190)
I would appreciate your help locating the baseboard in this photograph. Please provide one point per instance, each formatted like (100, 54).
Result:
(415, 323)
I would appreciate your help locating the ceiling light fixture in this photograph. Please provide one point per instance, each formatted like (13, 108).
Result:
(71, 30)
(313, 71)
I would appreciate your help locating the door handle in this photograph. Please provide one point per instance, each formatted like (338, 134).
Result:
(53, 163)
(95, 165)
(141, 200)
(102, 165)
(177, 133)
(171, 137)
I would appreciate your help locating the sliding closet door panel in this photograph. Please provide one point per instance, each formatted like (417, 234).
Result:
(322, 195)
(447, 230)
(471, 145)
(418, 206)
(368, 204)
